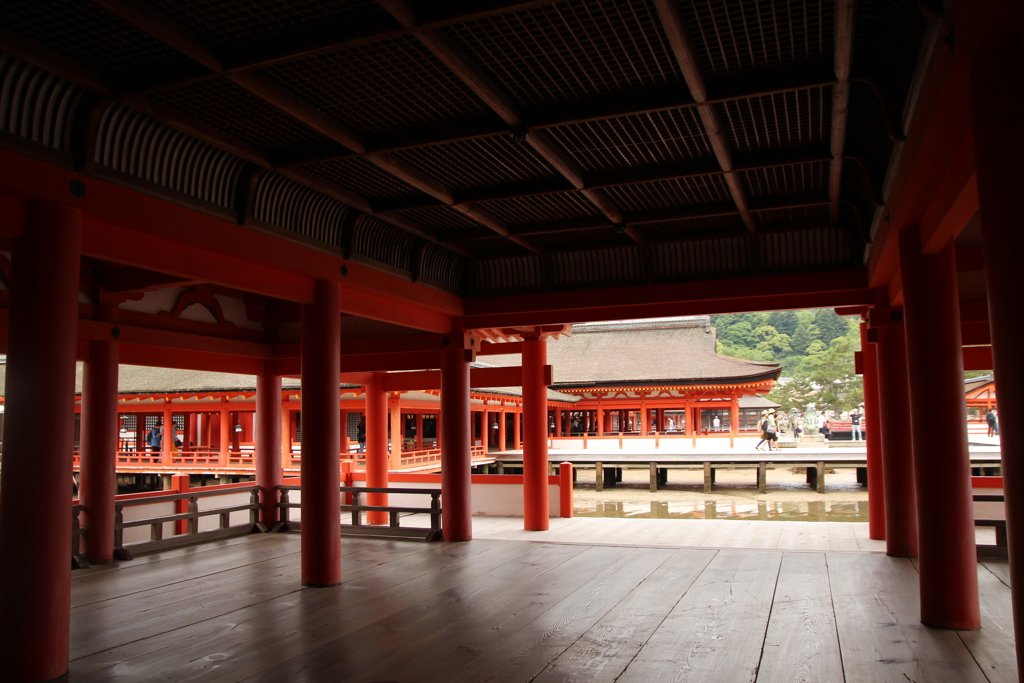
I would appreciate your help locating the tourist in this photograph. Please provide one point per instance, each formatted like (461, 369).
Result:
(361, 433)
(155, 437)
(855, 433)
(825, 429)
(762, 426)
(993, 422)
(772, 431)
(716, 424)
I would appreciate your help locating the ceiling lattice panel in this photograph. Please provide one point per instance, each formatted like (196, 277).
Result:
(792, 119)
(574, 50)
(220, 103)
(663, 194)
(363, 178)
(784, 180)
(480, 162)
(548, 207)
(734, 36)
(648, 139)
(388, 85)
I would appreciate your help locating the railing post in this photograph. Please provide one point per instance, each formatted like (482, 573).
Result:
(565, 489)
(193, 511)
(435, 512)
(283, 516)
(356, 515)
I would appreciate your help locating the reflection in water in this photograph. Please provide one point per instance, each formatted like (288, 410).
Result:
(811, 511)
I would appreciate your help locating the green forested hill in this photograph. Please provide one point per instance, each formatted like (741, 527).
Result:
(814, 346)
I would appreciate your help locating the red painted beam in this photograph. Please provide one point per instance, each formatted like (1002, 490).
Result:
(360, 347)
(739, 304)
(183, 359)
(499, 349)
(978, 358)
(93, 330)
(479, 378)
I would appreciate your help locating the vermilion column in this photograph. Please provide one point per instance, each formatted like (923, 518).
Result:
(268, 445)
(321, 441)
(535, 431)
(897, 443)
(456, 457)
(945, 516)
(167, 440)
(35, 507)
(502, 426)
(517, 428)
(98, 484)
(876, 479)
(377, 446)
(998, 146)
(343, 417)
(225, 435)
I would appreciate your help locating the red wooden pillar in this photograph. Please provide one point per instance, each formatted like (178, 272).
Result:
(535, 443)
(397, 432)
(998, 146)
(192, 431)
(286, 436)
(377, 446)
(945, 516)
(98, 484)
(321, 466)
(502, 428)
(456, 457)
(167, 438)
(268, 445)
(895, 438)
(419, 430)
(343, 422)
(876, 479)
(517, 429)
(225, 435)
(35, 511)
(558, 422)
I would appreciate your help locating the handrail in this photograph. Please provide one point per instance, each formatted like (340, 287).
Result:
(394, 527)
(191, 517)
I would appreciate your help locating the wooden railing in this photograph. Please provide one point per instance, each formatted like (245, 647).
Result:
(190, 519)
(359, 527)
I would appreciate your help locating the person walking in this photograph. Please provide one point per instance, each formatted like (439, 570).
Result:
(762, 426)
(155, 437)
(990, 418)
(716, 424)
(772, 431)
(361, 434)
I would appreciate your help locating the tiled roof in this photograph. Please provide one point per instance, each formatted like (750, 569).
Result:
(678, 351)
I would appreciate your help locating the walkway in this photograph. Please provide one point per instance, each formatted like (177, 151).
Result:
(506, 610)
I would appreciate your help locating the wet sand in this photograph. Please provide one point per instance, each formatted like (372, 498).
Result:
(735, 496)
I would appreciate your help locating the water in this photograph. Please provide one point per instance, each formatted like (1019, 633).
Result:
(810, 511)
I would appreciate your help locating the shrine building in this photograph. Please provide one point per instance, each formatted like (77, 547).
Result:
(379, 196)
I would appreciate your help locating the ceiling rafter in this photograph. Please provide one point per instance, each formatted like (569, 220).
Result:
(180, 39)
(783, 80)
(645, 217)
(693, 169)
(352, 35)
(474, 78)
(840, 101)
(672, 21)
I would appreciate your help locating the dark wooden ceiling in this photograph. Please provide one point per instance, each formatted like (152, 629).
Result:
(491, 147)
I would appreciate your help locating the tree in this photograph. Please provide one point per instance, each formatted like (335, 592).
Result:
(784, 321)
(796, 393)
(830, 325)
(832, 370)
(805, 334)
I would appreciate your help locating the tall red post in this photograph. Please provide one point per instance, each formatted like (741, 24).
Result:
(344, 434)
(377, 446)
(502, 426)
(268, 446)
(167, 435)
(321, 462)
(535, 431)
(35, 510)
(225, 435)
(98, 485)
(897, 443)
(456, 456)
(873, 440)
(998, 146)
(945, 516)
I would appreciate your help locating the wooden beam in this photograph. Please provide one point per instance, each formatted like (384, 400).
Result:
(163, 29)
(479, 378)
(672, 21)
(410, 344)
(501, 349)
(840, 101)
(783, 80)
(137, 279)
(93, 330)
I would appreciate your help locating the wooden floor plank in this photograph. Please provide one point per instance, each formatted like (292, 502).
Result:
(842, 537)
(715, 631)
(1001, 568)
(250, 640)
(448, 628)
(769, 537)
(604, 651)
(520, 656)
(992, 646)
(801, 642)
(878, 620)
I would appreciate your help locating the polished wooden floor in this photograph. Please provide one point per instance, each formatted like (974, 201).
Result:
(511, 610)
